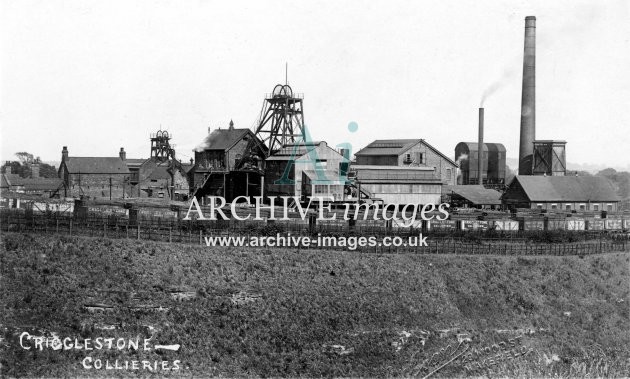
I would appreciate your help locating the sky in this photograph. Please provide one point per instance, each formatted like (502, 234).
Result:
(99, 75)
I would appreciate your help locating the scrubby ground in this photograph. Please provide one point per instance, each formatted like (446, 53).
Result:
(237, 312)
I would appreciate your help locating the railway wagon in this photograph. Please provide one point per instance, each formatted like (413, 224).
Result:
(441, 225)
(613, 224)
(473, 225)
(576, 224)
(556, 225)
(532, 225)
(595, 224)
(505, 225)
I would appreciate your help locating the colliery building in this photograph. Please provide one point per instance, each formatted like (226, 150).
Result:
(408, 153)
(493, 164)
(566, 193)
(306, 169)
(397, 185)
(228, 163)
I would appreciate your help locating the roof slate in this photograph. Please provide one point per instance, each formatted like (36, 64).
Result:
(567, 188)
(477, 194)
(397, 147)
(222, 139)
(388, 147)
(96, 165)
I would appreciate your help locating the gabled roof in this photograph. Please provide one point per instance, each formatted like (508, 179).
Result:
(31, 184)
(135, 162)
(476, 194)
(297, 150)
(388, 147)
(41, 184)
(4, 182)
(96, 165)
(397, 147)
(160, 172)
(567, 188)
(222, 139)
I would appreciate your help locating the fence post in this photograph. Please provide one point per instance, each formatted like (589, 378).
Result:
(138, 230)
(200, 235)
(170, 234)
(70, 227)
(127, 229)
(104, 229)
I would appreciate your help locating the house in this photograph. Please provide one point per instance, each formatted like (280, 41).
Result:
(306, 168)
(568, 193)
(408, 153)
(228, 163)
(44, 187)
(106, 177)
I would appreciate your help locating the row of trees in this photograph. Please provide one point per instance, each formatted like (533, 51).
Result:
(23, 166)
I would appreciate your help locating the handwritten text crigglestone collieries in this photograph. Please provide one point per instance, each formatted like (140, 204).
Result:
(391, 211)
(28, 342)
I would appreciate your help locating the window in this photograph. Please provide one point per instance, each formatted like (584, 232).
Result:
(554, 206)
(539, 206)
(595, 207)
(448, 173)
(567, 207)
(321, 189)
(421, 158)
(408, 158)
(609, 207)
(582, 207)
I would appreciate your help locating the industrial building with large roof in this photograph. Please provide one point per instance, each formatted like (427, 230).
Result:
(567, 193)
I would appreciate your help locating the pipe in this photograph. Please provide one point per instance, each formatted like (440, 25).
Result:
(480, 149)
(528, 100)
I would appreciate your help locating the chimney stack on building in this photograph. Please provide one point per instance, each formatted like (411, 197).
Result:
(64, 154)
(528, 100)
(35, 170)
(123, 154)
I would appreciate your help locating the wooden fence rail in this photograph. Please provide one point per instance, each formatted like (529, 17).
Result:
(194, 232)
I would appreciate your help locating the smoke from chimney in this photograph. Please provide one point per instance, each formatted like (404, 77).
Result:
(528, 100)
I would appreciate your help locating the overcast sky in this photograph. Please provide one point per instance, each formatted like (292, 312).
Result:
(100, 75)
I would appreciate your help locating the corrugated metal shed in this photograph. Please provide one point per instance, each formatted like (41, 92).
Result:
(567, 188)
(394, 174)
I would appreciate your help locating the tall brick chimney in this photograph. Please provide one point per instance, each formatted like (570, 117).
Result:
(123, 154)
(528, 100)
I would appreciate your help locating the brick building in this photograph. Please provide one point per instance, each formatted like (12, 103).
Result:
(567, 193)
(106, 177)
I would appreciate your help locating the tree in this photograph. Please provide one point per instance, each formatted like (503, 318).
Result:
(22, 166)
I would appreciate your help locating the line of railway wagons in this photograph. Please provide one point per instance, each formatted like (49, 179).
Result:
(592, 224)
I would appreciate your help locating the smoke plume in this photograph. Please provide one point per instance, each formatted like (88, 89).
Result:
(497, 85)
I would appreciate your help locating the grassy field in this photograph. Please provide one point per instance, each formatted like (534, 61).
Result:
(239, 312)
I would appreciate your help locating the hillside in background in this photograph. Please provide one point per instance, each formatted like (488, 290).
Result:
(239, 312)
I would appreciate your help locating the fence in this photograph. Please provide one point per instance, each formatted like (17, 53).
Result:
(193, 232)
